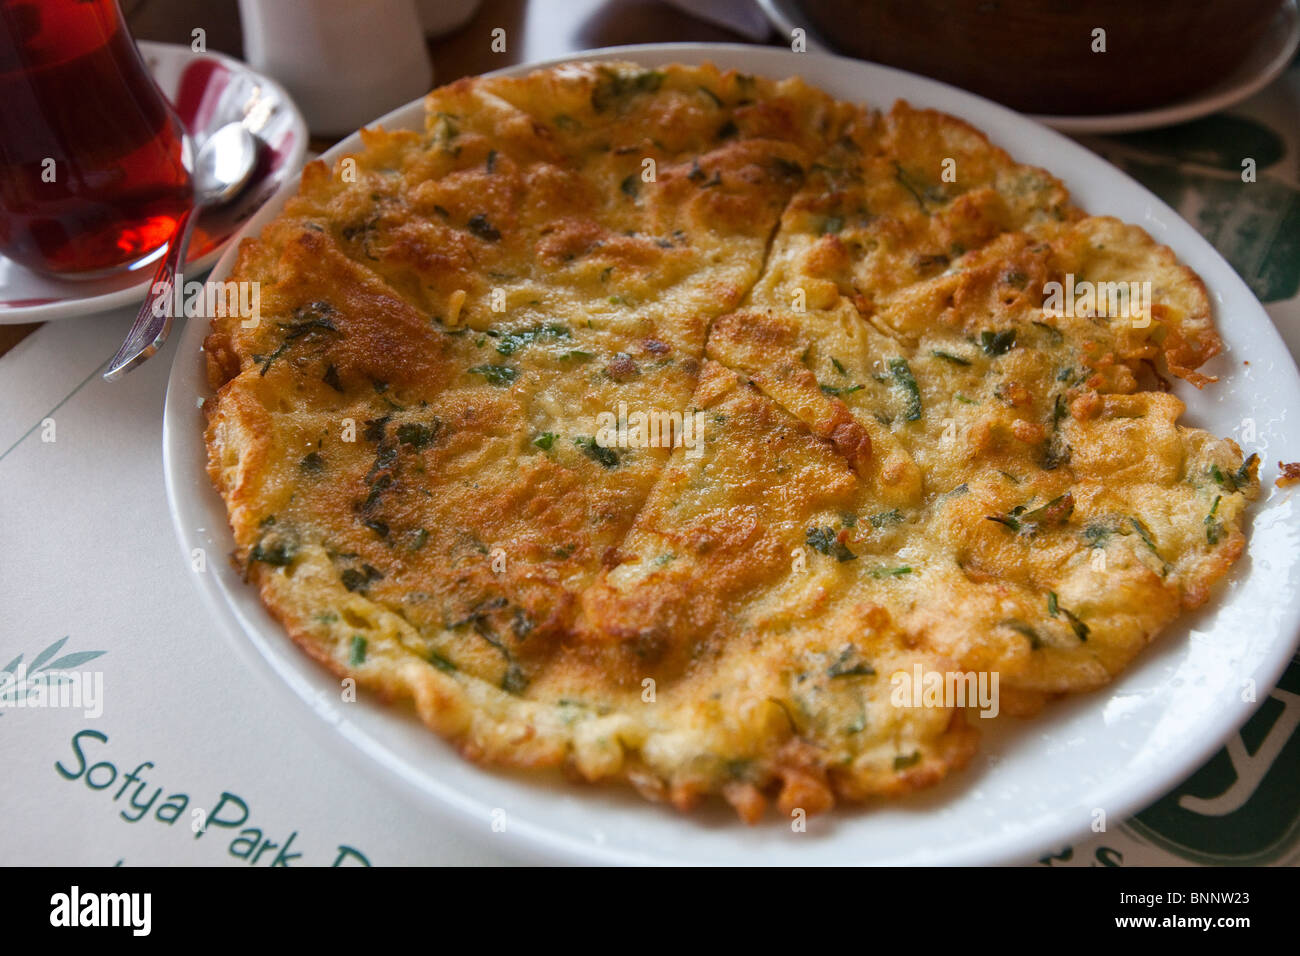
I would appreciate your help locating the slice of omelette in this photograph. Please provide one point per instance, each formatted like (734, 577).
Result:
(879, 452)
(730, 594)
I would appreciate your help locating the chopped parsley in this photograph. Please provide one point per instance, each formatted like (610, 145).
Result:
(884, 572)
(949, 357)
(597, 452)
(892, 516)
(359, 580)
(904, 379)
(1054, 609)
(1214, 527)
(510, 342)
(832, 225)
(843, 667)
(615, 89)
(499, 375)
(1020, 627)
(442, 663)
(902, 762)
(1236, 480)
(1055, 512)
(997, 343)
(358, 653)
(276, 552)
(417, 434)
(826, 541)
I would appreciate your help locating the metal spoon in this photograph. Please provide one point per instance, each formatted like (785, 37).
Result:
(222, 169)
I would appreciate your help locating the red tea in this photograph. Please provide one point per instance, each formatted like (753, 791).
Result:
(91, 170)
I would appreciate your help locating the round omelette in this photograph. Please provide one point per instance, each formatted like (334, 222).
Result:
(855, 435)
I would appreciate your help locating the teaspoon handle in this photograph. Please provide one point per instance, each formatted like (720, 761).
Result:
(154, 320)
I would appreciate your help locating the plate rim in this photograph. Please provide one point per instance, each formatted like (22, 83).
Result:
(545, 843)
(103, 302)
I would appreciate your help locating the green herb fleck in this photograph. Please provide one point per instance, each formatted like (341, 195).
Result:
(1055, 512)
(276, 552)
(902, 762)
(499, 375)
(906, 183)
(842, 667)
(615, 89)
(359, 580)
(1020, 627)
(597, 452)
(907, 382)
(358, 655)
(1213, 527)
(892, 516)
(997, 343)
(511, 342)
(1144, 534)
(884, 572)
(442, 663)
(418, 434)
(826, 541)
(949, 357)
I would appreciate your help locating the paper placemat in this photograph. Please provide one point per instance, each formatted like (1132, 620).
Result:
(177, 754)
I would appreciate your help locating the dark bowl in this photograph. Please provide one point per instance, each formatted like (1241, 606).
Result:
(1037, 55)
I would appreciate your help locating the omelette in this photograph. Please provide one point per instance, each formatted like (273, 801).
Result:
(650, 423)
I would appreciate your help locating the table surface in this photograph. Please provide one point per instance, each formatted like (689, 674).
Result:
(538, 30)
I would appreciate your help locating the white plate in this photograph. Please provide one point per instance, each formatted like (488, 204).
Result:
(207, 90)
(1266, 60)
(1034, 785)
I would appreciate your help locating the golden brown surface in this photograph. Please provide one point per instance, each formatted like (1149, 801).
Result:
(905, 461)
